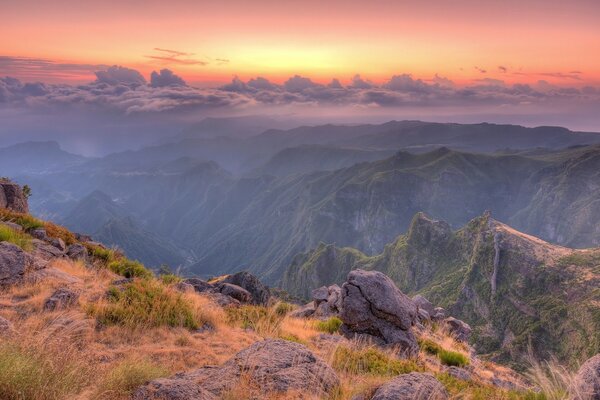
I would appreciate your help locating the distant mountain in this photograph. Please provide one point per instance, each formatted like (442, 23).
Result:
(237, 127)
(514, 289)
(36, 157)
(92, 212)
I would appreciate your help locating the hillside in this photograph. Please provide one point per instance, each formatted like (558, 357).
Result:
(514, 289)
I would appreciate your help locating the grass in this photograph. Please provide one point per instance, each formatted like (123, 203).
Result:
(472, 390)
(554, 381)
(129, 269)
(40, 373)
(7, 234)
(27, 221)
(60, 232)
(265, 321)
(453, 358)
(169, 279)
(331, 325)
(282, 308)
(123, 379)
(371, 361)
(100, 253)
(430, 347)
(146, 303)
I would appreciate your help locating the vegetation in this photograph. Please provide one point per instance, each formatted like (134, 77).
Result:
(7, 234)
(27, 222)
(453, 358)
(129, 269)
(147, 303)
(60, 232)
(266, 321)
(430, 347)
(473, 390)
(331, 325)
(26, 191)
(169, 279)
(282, 308)
(122, 380)
(371, 361)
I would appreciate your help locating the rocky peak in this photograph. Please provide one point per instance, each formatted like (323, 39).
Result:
(425, 231)
(12, 197)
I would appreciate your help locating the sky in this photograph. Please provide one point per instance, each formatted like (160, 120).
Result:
(531, 62)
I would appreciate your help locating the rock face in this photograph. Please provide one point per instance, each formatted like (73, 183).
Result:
(62, 298)
(77, 252)
(12, 197)
(236, 292)
(587, 380)
(272, 365)
(373, 305)
(459, 329)
(14, 264)
(413, 386)
(261, 294)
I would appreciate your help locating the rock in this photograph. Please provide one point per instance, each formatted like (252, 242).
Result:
(39, 233)
(172, 389)
(305, 311)
(12, 197)
(424, 304)
(199, 285)
(320, 294)
(59, 244)
(6, 327)
(12, 225)
(62, 298)
(413, 386)
(273, 365)
(261, 294)
(458, 373)
(459, 329)
(236, 292)
(77, 252)
(184, 287)
(373, 305)
(14, 264)
(328, 302)
(587, 381)
(438, 314)
(46, 251)
(224, 300)
(423, 315)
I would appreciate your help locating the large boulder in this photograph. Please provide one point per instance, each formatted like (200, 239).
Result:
(587, 380)
(12, 197)
(261, 295)
(199, 285)
(236, 292)
(273, 365)
(77, 251)
(14, 264)
(423, 304)
(459, 329)
(327, 301)
(373, 305)
(413, 386)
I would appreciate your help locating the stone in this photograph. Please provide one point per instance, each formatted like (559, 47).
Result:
(77, 251)
(39, 233)
(438, 314)
(423, 315)
(12, 225)
(459, 329)
(423, 304)
(261, 295)
(172, 389)
(14, 264)
(272, 365)
(199, 285)
(62, 298)
(320, 294)
(46, 251)
(223, 300)
(59, 244)
(458, 373)
(587, 381)
(373, 305)
(331, 303)
(413, 386)
(12, 197)
(236, 292)
(184, 287)
(304, 311)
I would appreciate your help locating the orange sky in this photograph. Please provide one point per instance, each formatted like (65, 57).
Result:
(516, 41)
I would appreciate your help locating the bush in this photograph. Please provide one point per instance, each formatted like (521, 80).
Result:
(282, 308)
(371, 361)
(60, 232)
(453, 358)
(27, 221)
(332, 325)
(123, 379)
(430, 347)
(129, 269)
(102, 254)
(39, 373)
(265, 321)
(146, 303)
(8, 234)
(169, 279)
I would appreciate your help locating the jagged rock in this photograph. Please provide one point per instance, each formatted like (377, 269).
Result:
(320, 294)
(459, 329)
(12, 197)
(46, 251)
(438, 314)
(14, 264)
(6, 327)
(424, 304)
(59, 244)
(458, 373)
(199, 285)
(587, 380)
(373, 305)
(413, 386)
(224, 300)
(305, 311)
(77, 252)
(39, 233)
(236, 292)
(261, 294)
(327, 301)
(184, 287)
(423, 315)
(62, 298)
(273, 365)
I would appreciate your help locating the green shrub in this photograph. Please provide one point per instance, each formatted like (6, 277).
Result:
(129, 269)
(331, 325)
(169, 279)
(282, 308)
(102, 254)
(457, 388)
(371, 361)
(40, 373)
(430, 347)
(146, 303)
(453, 358)
(7, 234)
(27, 221)
(123, 379)
(290, 337)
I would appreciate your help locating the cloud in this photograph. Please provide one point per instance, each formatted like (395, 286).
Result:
(168, 56)
(116, 75)
(359, 83)
(298, 83)
(502, 69)
(164, 78)
(335, 84)
(483, 71)
(406, 83)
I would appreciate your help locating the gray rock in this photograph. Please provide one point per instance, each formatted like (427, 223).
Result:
(329, 303)
(459, 329)
(199, 285)
(59, 244)
(223, 300)
(413, 386)
(184, 287)
(62, 298)
(273, 365)
(77, 252)
(236, 292)
(587, 381)
(12, 197)
(39, 233)
(424, 304)
(172, 389)
(304, 311)
(46, 251)
(423, 315)
(14, 264)
(261, 295)
(12, 225)
(373, 305)
(320, 294)
(438, 314)
(458, 373)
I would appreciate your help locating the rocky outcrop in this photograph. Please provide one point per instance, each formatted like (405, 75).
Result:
(587, 380)
(260, 293)
(228, 290)
(14, 264)
(62, 298)
(77, 252)
(236, 292)
(200, 285)
(12, 197)
(413, 386)
(273, 366)
(372, 305)
(459, 329)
